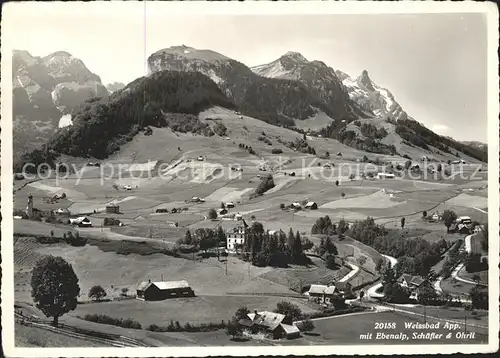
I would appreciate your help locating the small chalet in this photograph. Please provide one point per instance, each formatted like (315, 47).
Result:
(156, 291)
(222, 211)
(322, 293)
(296, 205)
(229, 205)
(412, 282)
(312, 205)
(62, 212)
(436, 216)
(276, 325)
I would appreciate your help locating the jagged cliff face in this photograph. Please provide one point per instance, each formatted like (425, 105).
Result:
(115, 86)
(45, 89)
(294, 91)
(318, 78)
(371, 97)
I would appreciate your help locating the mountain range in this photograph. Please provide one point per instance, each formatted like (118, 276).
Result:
(290, 92)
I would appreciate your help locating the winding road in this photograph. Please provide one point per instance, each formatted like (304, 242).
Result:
(372, 291)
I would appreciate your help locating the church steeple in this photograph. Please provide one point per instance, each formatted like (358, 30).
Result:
(29, 208)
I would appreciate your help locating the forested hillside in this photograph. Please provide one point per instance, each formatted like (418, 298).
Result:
(420, 136)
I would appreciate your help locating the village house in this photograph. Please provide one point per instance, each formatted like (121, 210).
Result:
(413, 283)
(236, 237)
(62, 212)
(385, 176)
(275, 325)
(296, 205)
(311, 205)
(156, 291)
(436, 216)
(462, 225)
(325, 294)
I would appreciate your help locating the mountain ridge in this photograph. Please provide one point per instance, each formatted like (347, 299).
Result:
(369, 118)
(45, 89)
(272, 100)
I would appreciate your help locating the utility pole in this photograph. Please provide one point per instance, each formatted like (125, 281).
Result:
(425, 314)
(465, 323)
(227, 258)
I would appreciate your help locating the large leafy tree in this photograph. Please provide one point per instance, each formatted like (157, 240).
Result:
(292, 312)
(97, 293)
(241, 313)
(449, 218)
(54, 287)
(233, 328)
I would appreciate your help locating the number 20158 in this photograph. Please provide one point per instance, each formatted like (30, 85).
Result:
(385, 325)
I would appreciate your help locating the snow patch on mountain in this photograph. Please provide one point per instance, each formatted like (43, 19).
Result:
(372, 97)
(65, 121)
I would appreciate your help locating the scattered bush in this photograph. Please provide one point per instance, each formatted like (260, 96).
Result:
(188, 327)
(266, 184)
(111, 222)
(220, 129)
(97, 293)
(105, 319)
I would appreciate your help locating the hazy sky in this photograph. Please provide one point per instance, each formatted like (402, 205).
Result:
(434, 64)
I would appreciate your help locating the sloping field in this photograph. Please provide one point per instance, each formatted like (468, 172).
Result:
(142, 167)
(431, 196)
(318, 121)
(281, 182)
(25, 254)
(296, 277)
(460, 210)
(202, 309)
(95, 267)
(37, 228)
(36, 337)
(375, 201)
(50, 187)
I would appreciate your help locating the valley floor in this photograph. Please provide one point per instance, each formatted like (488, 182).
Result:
(118, 258)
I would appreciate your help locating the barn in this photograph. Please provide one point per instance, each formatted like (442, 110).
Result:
(312, 205)
(272, 324)
(157, 291)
